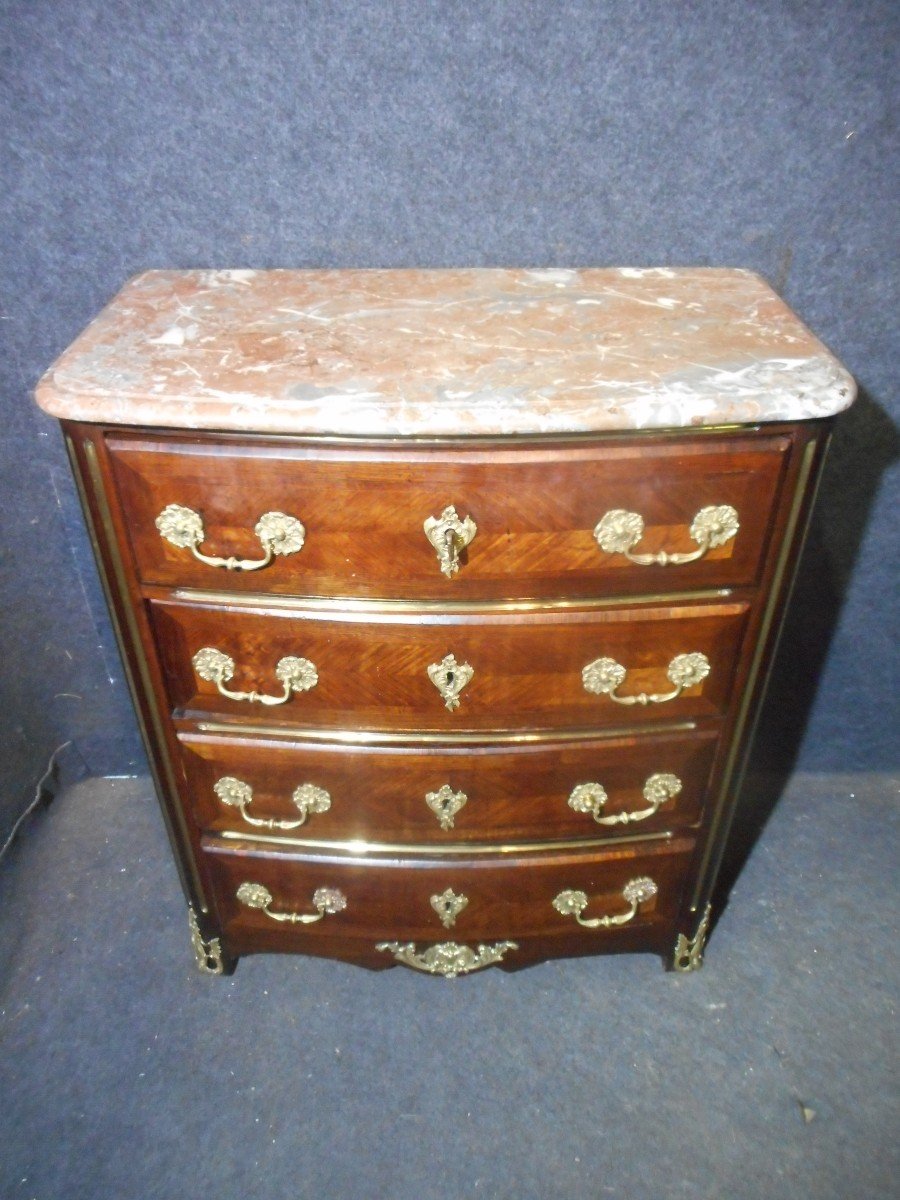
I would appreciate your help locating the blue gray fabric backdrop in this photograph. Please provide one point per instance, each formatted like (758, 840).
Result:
(152, 133)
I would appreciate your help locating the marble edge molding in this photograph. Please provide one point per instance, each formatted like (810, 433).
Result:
(445, 353)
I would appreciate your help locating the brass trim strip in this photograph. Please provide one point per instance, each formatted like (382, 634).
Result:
(438, 738)
(448, 440)
(363, 607)
(362, 848)
(134, 642)
(737, 737)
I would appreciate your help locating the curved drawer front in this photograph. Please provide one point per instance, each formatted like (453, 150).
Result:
(525, 517)
(468, 672)
(427, 902)
(445, 796)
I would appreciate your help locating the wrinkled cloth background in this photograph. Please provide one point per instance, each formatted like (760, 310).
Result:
(168, 134)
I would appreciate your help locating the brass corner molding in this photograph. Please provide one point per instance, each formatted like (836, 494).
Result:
(207, 953)
(689, 951)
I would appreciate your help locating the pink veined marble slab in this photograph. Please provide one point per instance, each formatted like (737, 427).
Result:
(445, 352)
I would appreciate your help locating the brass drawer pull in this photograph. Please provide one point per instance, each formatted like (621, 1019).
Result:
(572, 904)
(618, 531)
(604, 676)
(591, 797)
(278, 533)
(449, 535)
(445, 804)
(307, 797)
(447, 958)
(297, 675)
(450, 677)
(326, 901)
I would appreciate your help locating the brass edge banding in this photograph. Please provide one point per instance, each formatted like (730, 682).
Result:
(374, 607)
(437, 738)
(448, 440)
(359, 849)
(93, 465)
(737, 736)
(590, 435)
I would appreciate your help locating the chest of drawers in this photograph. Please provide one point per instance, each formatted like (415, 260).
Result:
(447, 598)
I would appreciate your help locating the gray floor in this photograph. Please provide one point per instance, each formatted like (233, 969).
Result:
(771, 1073)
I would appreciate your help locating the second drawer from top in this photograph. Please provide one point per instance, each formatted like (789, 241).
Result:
(582, 668)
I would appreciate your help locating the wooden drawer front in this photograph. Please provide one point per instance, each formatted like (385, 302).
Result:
(444, 796)
(391, 900)
(535, 511)
(374, 675)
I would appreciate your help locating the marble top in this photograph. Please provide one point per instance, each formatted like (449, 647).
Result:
(445, 352)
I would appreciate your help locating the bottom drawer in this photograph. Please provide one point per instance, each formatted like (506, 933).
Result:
(435, 914)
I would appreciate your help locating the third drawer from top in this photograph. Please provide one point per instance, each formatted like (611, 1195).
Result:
(443, 673)
(442, 795)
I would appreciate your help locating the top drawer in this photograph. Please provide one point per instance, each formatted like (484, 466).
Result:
(536, 515)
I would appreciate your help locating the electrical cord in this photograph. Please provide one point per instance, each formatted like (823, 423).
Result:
(38, 797)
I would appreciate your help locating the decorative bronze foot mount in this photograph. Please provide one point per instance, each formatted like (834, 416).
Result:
(208, 953)
(688, 955)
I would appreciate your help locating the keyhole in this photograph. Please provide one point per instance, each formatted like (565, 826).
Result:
(450, 678)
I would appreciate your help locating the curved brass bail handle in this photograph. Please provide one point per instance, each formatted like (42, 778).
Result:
(619, 531)
(278, 533)
(296, 674)
(572, 903)
(604, 676)
(449, 535)
(307, 798)
(326, 901)
(591, 797)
